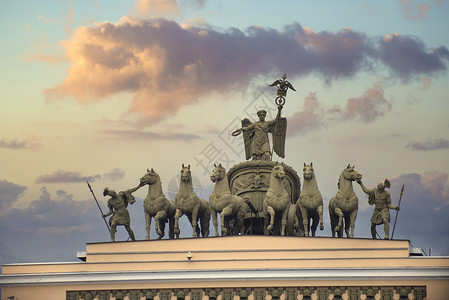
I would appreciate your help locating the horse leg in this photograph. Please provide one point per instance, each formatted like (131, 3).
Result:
(178, 215)
(272, 213)
(226, 212)
(305, 220)
(160, 226)
(284, 221)
(195, 219)
(320, 213)
(148, 225)
(352, 218)
(205, 222)
(347, 224)
(340, 215)
(171, 228)
(215, 221)
(315, 220)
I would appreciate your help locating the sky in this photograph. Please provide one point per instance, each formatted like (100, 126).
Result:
(100, 91)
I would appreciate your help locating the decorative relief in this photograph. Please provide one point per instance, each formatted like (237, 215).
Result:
(273, 293)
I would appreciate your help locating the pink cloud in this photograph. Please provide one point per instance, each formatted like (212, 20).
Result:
(310, 118)
(167, 66)
(370, 106)
(413, 11)
(437, 184)
(155, 8)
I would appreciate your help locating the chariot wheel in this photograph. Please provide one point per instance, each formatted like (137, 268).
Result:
(292, 221)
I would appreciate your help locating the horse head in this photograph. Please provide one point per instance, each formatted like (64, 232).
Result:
(149, 178)
(351, 174)
(308, 171)
(278, 171)
(218, 173)
(186, 174)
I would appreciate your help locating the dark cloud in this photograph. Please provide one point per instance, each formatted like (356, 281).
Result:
(167, 66)
(114, 175)
(61, 176)
(55, 226)
(14, 144)
(424, 210)
(9, 193)
(52, 228)
(436, 144)
(149, 136)
(407, 56)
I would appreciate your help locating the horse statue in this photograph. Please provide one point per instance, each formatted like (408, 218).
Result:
(188, 203)
(157, 205)
(230, 207)
(310, 202)
(344, 204)
(277, 200)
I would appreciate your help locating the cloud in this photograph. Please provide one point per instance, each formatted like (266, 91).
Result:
(407, 56)
(13, 144)
(167, 66)
(310, 118)
(55, 226)
(50, 222)
(366, 108)
(31, 142)
(426, 82)
(413, 11)
(61, 176)
(370, 106)
(69, 20)
(149, 136)
(114, 175)
(429, 145)
(9, 193)
(424, 210)
(163, 8)
(155, 8)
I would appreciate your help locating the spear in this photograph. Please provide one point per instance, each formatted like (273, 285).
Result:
(99, 207)
(399, 204)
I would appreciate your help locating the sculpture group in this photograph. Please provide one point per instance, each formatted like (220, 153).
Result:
(259, 196)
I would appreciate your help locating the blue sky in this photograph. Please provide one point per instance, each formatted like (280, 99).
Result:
(103, 90)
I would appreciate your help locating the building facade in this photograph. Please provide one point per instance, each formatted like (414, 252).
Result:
(235, 267)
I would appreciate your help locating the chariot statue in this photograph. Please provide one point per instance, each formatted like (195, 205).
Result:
(251, 179)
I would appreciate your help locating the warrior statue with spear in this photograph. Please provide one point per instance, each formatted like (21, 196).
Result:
(382, 202)
(117, 205)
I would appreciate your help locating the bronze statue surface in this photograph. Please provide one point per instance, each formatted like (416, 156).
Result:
(277, 200)
(344, 205)
(157, 206)
(117, 205)
(381, 200)
(189, 204)
(230, 207)
(310, 202)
